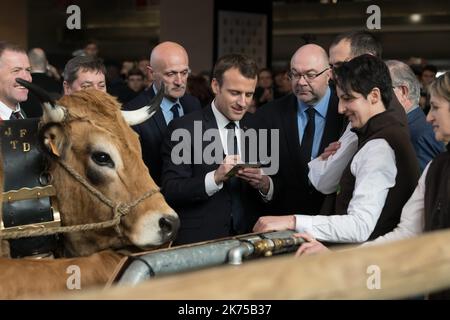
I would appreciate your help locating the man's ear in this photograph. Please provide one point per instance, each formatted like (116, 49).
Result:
(150, 71)
(375, 96)
(405, 91)
(53, 139)
(215, 86)
(66, 87)
(329, 73)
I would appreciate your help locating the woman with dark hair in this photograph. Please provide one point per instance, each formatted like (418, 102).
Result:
(428, 209)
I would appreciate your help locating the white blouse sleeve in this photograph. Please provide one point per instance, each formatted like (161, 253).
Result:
(374, 169)
(325, 174)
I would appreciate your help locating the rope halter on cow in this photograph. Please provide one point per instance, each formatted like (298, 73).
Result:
(59, 114)
(119, 210)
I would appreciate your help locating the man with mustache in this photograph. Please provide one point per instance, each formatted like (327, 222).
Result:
(169, 65)
(308, 121)
(14, 64)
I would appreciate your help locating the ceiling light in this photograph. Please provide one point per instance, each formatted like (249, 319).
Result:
(415, 17)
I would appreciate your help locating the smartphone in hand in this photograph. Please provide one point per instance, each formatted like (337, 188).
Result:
(240, 166)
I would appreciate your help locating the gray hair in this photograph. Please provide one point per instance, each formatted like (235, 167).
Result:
(402, 75)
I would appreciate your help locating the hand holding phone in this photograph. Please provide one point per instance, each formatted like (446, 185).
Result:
(240, 166)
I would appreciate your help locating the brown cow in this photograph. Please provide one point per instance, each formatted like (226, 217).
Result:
(87, 133)
(96, 142)
(20, 278)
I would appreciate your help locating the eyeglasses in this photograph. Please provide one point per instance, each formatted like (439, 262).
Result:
(174, 74)
(294, 76)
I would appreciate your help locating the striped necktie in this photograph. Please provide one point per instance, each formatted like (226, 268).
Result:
(16, 115)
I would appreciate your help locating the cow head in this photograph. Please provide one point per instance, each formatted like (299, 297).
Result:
(87, 132)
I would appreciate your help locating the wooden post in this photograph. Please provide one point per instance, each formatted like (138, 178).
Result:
(407, 268)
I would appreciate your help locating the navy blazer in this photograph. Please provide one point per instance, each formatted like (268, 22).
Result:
(152, 131)
(203, 217)
(423, 138)
(293, 193)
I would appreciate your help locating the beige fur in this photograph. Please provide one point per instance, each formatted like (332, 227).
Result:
(21, 278)
(91, 114)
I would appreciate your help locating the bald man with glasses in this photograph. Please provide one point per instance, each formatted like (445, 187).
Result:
(307, 120)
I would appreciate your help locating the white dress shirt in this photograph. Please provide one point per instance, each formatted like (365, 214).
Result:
(210, 184)
(6, 112)
(326, 174)
(412, 219)
(374, 170)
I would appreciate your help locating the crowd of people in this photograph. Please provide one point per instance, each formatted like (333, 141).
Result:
(362, 144)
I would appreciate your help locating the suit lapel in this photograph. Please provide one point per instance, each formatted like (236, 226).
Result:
(209, 121)
(185, 105)
(158, 118)
(289, 117)
(331, 122)
(160, 121)
(246, 123)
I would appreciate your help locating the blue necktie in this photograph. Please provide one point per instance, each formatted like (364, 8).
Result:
(175, 111)
(234, 185)
(232, 144)
(308, 136)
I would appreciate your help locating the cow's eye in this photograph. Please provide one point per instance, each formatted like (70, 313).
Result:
(102, 159)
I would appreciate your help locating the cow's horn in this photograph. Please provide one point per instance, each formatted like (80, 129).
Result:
(140, 115)
(51, 111)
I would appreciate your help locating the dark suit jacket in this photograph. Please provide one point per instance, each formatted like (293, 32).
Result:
(152, 131)
(293, 192)
(183, 186)
(32, 107)
(423, 138)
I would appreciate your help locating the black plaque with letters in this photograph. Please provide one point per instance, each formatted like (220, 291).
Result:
(23, 165)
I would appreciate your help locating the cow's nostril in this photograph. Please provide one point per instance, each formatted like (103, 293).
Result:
(169, 226)
(165, 225)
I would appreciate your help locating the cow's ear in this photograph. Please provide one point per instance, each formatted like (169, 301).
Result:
(53, 139)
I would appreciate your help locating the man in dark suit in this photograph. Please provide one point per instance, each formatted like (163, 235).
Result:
(307, 121)
(211, 204)
(169, 64)
(39, 64)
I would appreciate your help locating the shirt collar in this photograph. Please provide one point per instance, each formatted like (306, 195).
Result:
(222, 121)
(321, 107)
(166, 104)
(6, 112)
(413, 108)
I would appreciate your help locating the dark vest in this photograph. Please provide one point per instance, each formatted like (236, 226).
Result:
(437, 201)
(437, 193)
(384, 126)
